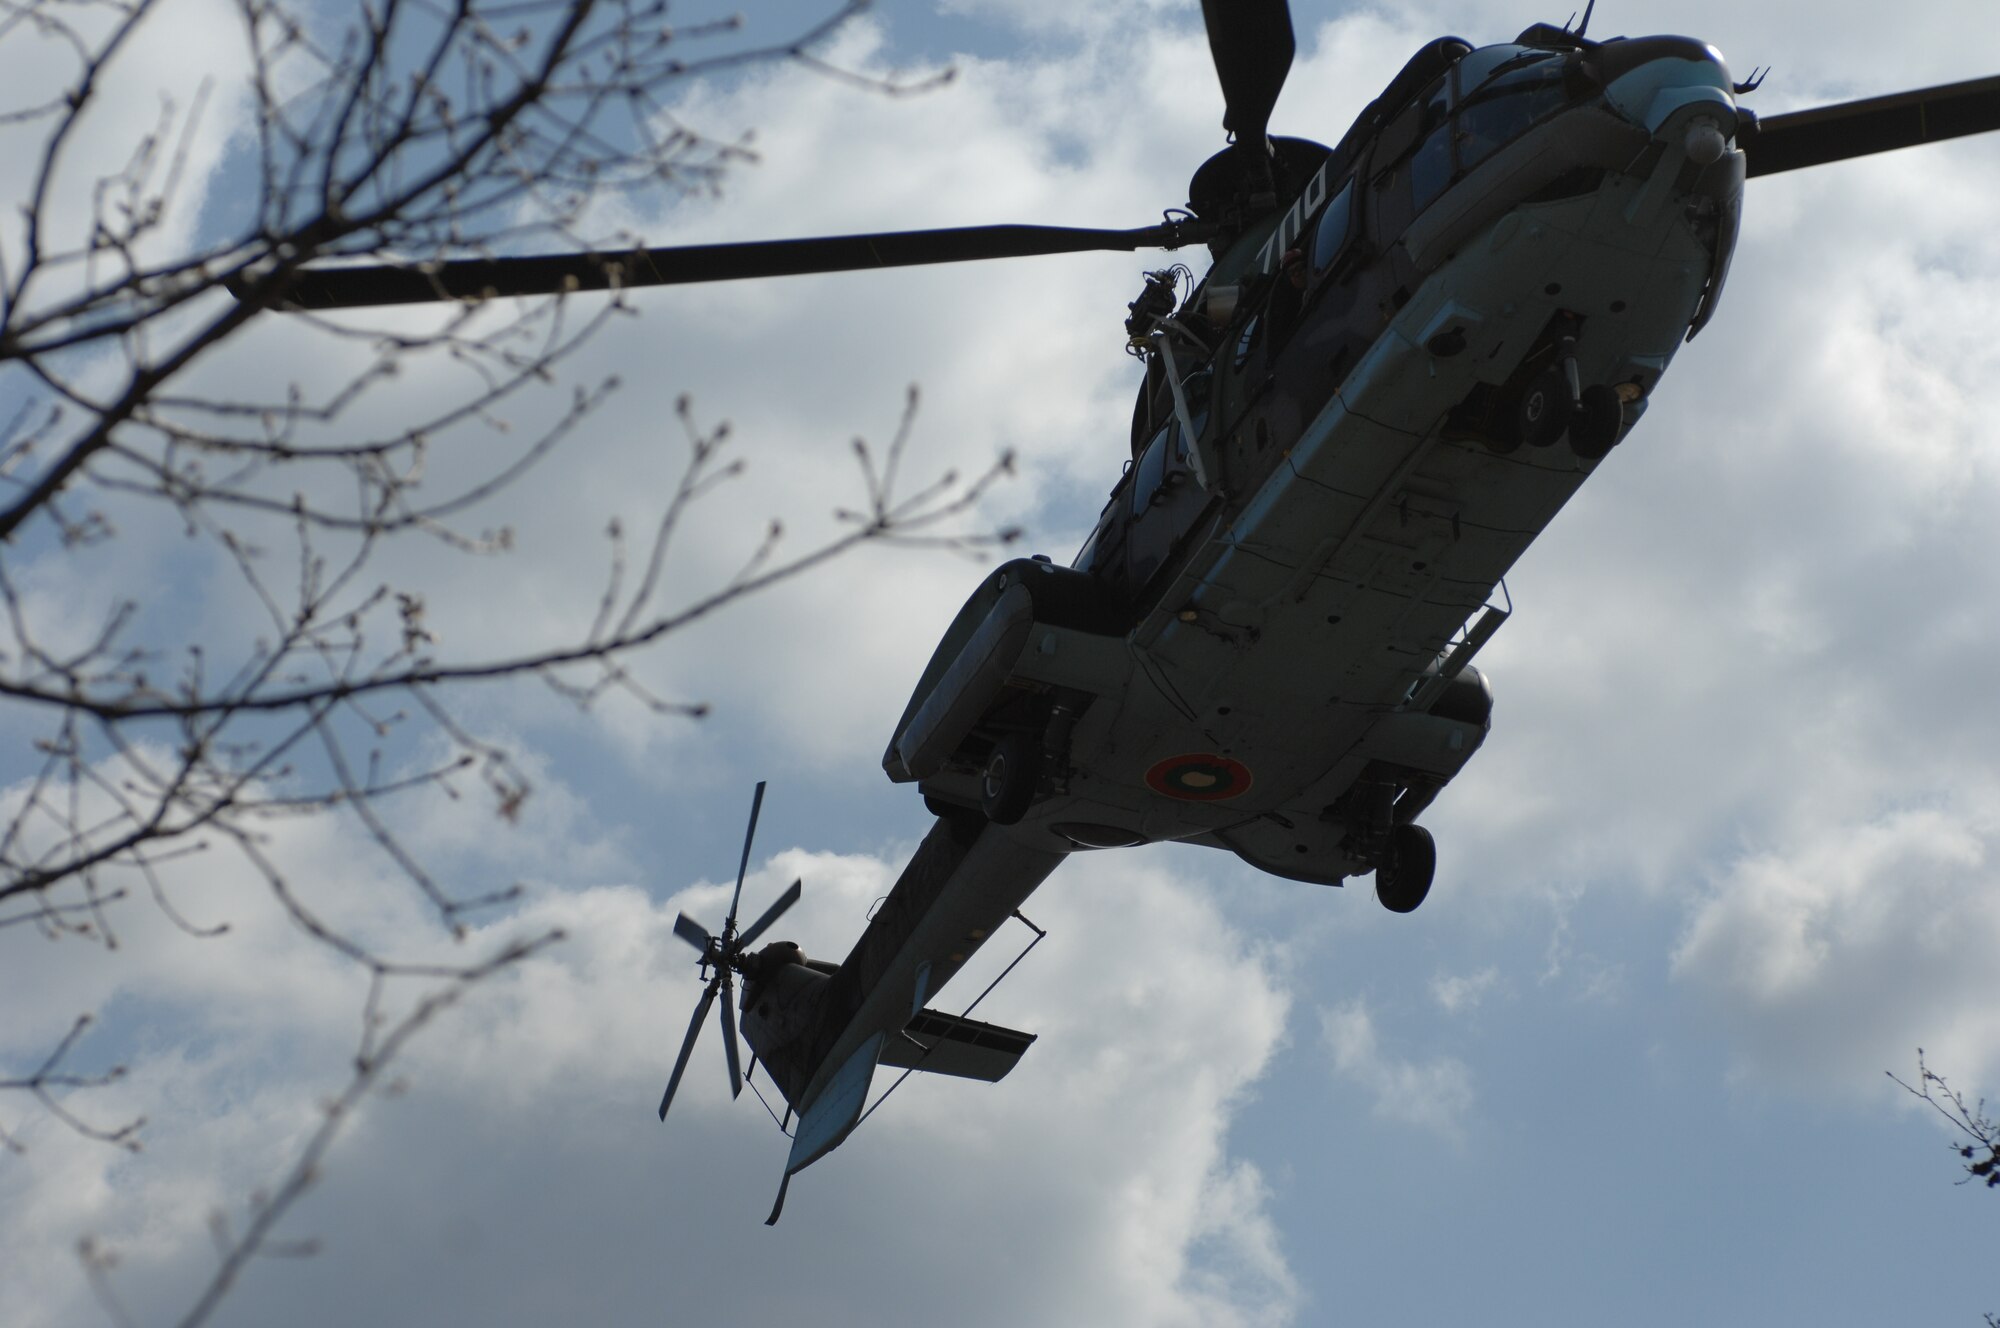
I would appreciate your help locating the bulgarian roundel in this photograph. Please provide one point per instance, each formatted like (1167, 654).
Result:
(1199, 777)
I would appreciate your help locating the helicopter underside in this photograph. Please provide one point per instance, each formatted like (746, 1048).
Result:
(1282, 700)
(1300, 686)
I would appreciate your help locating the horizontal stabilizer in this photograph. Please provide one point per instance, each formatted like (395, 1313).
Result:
(939, 1043)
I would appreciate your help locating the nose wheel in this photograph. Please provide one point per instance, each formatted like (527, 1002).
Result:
(1599, 419)
(1403, 875)
(1594, 418)
(1543, 411)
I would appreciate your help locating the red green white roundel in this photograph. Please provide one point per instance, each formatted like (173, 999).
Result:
(1199, 777)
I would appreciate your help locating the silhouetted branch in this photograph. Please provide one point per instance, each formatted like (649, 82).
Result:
(50, 1076)
(1982, 1153)
(380, 1045)
(292, 670)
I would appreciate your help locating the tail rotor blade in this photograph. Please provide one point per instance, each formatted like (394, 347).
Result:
(727, 1013)
(771, 915)
(756, 805)
(687, 1045)
(692, 932)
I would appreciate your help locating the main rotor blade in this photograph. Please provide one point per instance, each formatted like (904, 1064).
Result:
(727, 1012)
(771, 915)
(692, 932)
(743, 865)
(1879, 124)
(547, 274)
(687, 1045)
(1253, 46)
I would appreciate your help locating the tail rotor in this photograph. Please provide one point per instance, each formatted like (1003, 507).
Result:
(721, 961)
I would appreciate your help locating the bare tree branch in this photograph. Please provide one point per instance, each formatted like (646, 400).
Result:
(1981, 1151)
(155, 742)
(50, 1076)
(380, 1045)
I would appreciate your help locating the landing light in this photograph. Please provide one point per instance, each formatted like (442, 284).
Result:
(1088, 834)
(1705, 142)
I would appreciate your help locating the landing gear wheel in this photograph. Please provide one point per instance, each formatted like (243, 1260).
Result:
(1544, 409)
(1008, 784)
(965, 822)
(1403, 876)
(1599, 419)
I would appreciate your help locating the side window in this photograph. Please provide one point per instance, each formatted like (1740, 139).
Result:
(1247, 342)
(1335, 225)
(1398, 137)
(1411, 136)
(1430, 168)
(1086, 556)
(1197, 387)
(1152, 469)
(1184, 445)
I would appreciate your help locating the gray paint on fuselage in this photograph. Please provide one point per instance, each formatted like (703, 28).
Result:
(1353, 542)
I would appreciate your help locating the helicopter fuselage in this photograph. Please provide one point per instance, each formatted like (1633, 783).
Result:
(1378, 397)
(1289, 583)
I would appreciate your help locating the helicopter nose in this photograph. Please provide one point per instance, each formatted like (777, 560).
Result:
(1652, 81)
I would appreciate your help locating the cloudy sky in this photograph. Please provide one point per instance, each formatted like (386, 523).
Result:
(1729, 854)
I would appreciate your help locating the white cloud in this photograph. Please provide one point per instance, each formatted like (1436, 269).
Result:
(179, 85)
(1743, 673)
(1835, 953)
(524, 1158)
(1456, 993)
(1434, 1094)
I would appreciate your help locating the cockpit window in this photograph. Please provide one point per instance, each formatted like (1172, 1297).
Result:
(1506, 106)
(1492, 97)
(1335, 225)
(1487, 61)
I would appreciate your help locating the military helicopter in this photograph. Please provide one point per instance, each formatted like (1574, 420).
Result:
(1411, 348)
